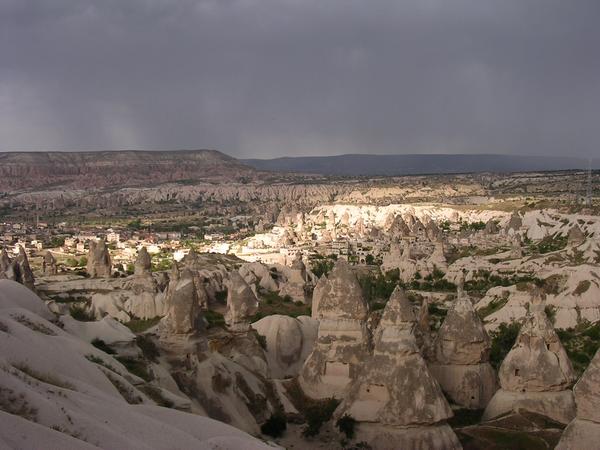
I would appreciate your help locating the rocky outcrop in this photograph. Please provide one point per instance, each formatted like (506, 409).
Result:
(242, 303)
(183, 314)
(143, 263)
(536, 375)
(393, 259)
(6, 267)
(514, 223)
(343, 340)
(289, 341)
(297, 281)
(576, 236)
(49, 264)
(584, 431)
(22, 270)
(460, 357)
(491, 227)
(318, 292)
(395, 400)
(99, 263)
(437, 260)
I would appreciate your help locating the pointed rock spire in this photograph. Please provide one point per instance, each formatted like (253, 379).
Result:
(25, 274)
(460, 357)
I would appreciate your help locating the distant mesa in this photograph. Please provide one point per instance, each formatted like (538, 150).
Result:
(388, 165)
(106, 169)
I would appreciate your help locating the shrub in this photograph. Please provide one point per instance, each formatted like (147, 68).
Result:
(262, 341)
(156, 395)
(148, 347)
(502, 341)
(316, 415)
(321, 267)
(137, 367)
(275, 425)
(346, 425)
(214, 319)
(141, 325)
(101, 345)
(81, 314)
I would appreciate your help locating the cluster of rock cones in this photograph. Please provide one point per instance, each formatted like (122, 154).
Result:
(397, 384)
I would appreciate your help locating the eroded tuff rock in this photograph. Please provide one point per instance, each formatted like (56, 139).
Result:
(343, 339)
(99, 263)
(143, 263)
(6, 267)
(21, 270)
(536, 375)
(242, 303)
(576, 236)
(491, 227)
(394, 398)
(49, 264)
(183, 314)
(289, 341)
(460, 357)
(320, 289)
(514, 224)
(298, 280)
(584, 431)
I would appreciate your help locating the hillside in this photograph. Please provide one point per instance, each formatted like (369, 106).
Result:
(368, 165)
(27, 170)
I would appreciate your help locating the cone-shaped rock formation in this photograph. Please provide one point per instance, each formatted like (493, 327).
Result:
(342, 342)
(536, 375)
(460, 357)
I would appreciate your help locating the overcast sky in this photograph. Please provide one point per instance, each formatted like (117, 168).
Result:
(266, 78)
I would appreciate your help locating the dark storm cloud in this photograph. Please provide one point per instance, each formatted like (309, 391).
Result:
(282, 77)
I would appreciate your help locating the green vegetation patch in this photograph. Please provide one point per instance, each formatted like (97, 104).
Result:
(549, 244)
(493, 306)
(272, 303)
(141, 325)
(101, 345)
(582, 287)
(503, 340)
(581, 344)
(137, 367)
(315, 412)
(81, 313)
(214, 319)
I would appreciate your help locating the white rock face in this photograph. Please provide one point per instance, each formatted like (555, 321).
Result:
(289, 342)
(394, 389)
(536, 374)
(60, 393)
(343, 339)
(577, 299)
(121, 298)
